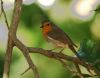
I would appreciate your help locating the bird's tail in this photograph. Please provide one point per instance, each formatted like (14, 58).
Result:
(74, 51)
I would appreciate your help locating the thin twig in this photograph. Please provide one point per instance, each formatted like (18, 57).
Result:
(78, 70)
(25, 52)
(25, 71)
(3, 12)
(66, 66)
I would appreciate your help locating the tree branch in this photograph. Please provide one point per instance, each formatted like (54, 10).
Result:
(25, 52)
(15, 18)
(12, 40)
(11, 35)
(54, 55)
(8, 57)
(3, 12)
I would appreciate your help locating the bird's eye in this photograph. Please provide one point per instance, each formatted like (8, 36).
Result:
(48, 24)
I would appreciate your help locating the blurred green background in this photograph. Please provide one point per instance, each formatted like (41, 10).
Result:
(73, 16)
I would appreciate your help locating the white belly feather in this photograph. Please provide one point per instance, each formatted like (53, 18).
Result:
(57, 43)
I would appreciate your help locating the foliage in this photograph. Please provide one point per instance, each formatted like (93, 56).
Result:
(97, 9)
(90, 52)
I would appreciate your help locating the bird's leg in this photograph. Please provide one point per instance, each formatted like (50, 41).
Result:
(57, 48)
(53, 49)
(61, 50)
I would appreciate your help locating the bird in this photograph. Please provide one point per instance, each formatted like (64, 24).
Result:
(54, 34)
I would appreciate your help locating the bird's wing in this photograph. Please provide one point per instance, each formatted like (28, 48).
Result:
(60, 35)
(71, 40)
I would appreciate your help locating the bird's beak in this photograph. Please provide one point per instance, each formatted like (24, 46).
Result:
(41, 26)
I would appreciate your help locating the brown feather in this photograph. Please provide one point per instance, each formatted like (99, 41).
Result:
(60, 35)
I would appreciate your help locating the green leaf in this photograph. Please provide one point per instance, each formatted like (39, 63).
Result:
(86, 48)
(90, 52)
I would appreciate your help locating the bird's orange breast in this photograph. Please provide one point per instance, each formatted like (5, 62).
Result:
(46, 29)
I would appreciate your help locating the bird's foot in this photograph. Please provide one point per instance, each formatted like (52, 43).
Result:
(61, 50)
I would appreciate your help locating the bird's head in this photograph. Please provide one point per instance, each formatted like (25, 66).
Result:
(46, 26)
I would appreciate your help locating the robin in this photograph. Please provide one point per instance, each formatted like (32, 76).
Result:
(57, 36)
